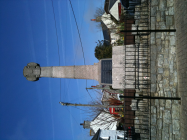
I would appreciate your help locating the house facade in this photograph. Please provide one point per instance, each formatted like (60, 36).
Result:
(112, 10)
(104, 121)
(109, 135)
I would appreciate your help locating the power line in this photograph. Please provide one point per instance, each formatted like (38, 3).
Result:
(89, 94)
(80, 98)
(80, 29)
(57, 42)
(77, 30)
(80, 41)
(79, 108)
(71, 115)
(76, 55)
(56, 32)
(74, 58)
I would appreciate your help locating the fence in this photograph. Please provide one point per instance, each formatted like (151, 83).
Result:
(137, 54)
(140, 123)
(137, 74)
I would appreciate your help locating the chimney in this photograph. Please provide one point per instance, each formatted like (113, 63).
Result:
(93, 19)
(86, 124)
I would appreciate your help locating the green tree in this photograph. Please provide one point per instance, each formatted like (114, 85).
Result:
(102, 50)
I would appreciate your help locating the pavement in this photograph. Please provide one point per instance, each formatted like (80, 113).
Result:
(165, 74)
(181, 51)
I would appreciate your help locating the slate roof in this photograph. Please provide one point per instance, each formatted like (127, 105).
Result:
(106, 34)
(111, 3)
(101, 122)
(125, 3)
(96, 136)
(130, 3)
(108, 5)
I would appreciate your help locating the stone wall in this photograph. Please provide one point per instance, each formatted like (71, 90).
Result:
(164, 113)
(119, 61)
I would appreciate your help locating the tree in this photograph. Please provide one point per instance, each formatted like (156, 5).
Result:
(102, 50)
(99, 12)
(105, 118)
(99, 112)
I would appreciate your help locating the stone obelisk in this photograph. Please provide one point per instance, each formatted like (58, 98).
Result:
(33, 72)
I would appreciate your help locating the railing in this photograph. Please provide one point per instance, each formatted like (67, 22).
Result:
(136, 116)
(137, 54)
(137, 74)
(137, 79)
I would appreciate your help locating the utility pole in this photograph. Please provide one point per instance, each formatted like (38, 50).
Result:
(89, 105)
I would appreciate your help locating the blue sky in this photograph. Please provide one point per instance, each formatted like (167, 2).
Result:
(31, 110)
